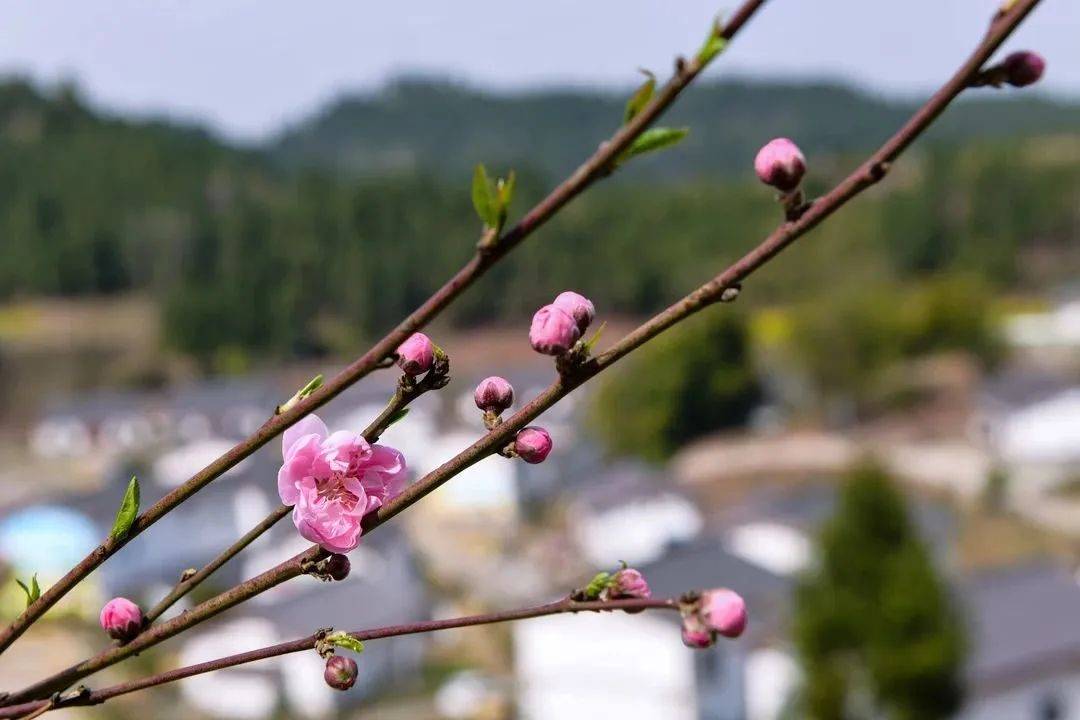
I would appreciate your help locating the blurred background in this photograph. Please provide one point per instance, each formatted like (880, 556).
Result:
(204, 204)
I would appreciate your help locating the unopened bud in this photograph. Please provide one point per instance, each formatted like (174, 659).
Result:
(578, 307)
(416, 355)
(695, 634)
(340, 672)
(337, 566)
(1023, 68)
(121, 619)
(724, 611)
(532, 444)
(629, 583)
(780, 164)
(553, 331)
(494, 394)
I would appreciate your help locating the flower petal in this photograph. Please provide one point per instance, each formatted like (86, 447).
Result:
(309, 425)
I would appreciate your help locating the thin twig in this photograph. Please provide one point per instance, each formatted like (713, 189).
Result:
(565, 605)
(867, 174)
(596, 167)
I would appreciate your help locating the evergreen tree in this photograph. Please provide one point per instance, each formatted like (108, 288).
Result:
(876, 630)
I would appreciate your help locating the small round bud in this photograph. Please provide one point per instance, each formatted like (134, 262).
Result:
(695, 634)
(338, 566)
(724, 611)
(553, 331)
(578, 307)
(494, 394)
(629, 583)
(340, 672)
(532, 444)
(780, 164)
(1023, 68)
(416, 355)
(121, 619)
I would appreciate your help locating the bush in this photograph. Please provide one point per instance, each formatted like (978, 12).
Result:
(687, 382)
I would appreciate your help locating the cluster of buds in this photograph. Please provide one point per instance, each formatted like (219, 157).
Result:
(121, 619)
(557, 327)
(494, 395)
(719, 612)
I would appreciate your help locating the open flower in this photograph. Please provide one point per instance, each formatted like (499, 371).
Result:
(333, 480)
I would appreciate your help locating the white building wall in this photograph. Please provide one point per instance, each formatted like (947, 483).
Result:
(603, 665)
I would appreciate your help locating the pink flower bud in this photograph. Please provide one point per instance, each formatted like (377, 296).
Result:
(121, 618)
(578, 307)
(629, 583)
(553, 331)
(780, 164)
(695, 634)
(340, 672)
(724, 611)
(416, 355)
(494, 394)
(338, 566)
(1023, 68)
(533, 444)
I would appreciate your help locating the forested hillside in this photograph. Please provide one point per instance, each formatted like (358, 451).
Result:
(442, 128)
(272, 253)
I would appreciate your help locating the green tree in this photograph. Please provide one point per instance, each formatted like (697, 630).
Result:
(876, 630)
(686, 383)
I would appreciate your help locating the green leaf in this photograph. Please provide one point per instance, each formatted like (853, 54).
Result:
(714, 44)
(597, 585)
(505, 192)
(483, 197)
(640, 98)
(33, 591)
(655, 139)
(129, 510)
(345, 640)
(591, 343)
(313, 384)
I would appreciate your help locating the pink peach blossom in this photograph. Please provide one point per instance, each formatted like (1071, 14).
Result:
(333, 480)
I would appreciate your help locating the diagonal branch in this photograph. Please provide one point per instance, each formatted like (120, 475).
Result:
(596, 167)
(866, 175)
(558, 607)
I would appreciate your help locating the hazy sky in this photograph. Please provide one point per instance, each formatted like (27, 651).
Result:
(248, 67)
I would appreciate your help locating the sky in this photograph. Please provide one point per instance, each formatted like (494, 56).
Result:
(249, 68)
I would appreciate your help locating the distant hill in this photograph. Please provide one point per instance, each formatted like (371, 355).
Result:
(257, 253)
(418, 125)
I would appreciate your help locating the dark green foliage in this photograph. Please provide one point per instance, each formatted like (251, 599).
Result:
(875, 627)
(846, 341)
(689, 381)
(252, 261)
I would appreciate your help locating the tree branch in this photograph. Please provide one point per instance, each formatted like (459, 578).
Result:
(563, 606)
(866, 175)
(592, 169)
